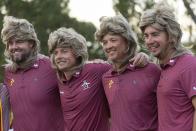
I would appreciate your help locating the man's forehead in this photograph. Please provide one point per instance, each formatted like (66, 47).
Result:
(151, 29)
(17, 40)
(63, 48)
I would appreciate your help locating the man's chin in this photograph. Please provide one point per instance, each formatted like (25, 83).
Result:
(17, 61)
(114, 61)
(155, 54)
(62, 68)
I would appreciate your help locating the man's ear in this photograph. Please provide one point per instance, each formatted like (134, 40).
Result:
(172, 41)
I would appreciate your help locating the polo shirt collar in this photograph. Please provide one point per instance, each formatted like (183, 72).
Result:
(170, 63)
(36, 64)
(75, 75)
(173, 60)
(128, 67)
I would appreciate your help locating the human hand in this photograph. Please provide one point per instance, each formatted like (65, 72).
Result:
(140, 60)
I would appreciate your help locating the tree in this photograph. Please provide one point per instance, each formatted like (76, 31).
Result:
(190, 11)
(46, 16)
(131, 9)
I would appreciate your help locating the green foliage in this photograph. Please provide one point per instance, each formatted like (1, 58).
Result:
(46, 16)
(132, 9)
(1, 46)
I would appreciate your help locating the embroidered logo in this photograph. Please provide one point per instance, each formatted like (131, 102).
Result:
(61, 92)
(35, 65)
(110, 83)
(35, 79)
(134, 82)
(85, 85)
(11, 82)
(194, 88)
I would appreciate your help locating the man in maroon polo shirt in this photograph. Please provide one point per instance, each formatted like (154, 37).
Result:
(176, 91)
(130, 91)
(82, 96)
(30, 80)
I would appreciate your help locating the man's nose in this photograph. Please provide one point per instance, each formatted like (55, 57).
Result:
(108, 45)
(149, 40)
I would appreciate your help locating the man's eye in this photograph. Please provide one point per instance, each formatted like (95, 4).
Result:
(64, 51)
(145, 37)
(113, 40)
(20, 41)
(104, 42)
(55, 53)
(156, 34)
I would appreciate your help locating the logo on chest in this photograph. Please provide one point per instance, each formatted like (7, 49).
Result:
(110, 83)
(11, 82)
(85, 85)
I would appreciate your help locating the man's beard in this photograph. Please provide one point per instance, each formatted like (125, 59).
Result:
(21, 59)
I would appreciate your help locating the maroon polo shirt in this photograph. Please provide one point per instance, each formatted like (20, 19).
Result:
(132, 98)
(34, 98)
(176, 87)
(83, 100)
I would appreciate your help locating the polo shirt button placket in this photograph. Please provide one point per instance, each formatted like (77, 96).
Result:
(22, 80)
